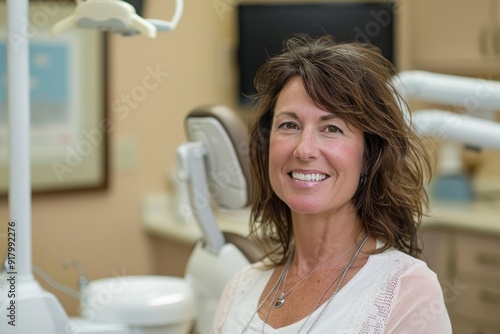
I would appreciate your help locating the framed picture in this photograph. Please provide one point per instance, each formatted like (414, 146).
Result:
(67, 103)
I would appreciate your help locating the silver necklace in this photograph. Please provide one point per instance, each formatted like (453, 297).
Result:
(315, 307)
(281, 277)
(278, 281)
(342, 277)
(281, 299)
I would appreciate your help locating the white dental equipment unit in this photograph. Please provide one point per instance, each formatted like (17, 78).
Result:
(477, 99)
(215, 165)
(475, 96)
(26, 308)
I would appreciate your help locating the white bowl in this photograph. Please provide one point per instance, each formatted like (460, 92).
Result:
(140, 301)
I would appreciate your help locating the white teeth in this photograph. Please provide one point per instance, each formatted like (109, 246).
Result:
(308, 177)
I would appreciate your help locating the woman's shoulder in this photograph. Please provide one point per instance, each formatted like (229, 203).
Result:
(403, 271)
(396, 267)
(402, 262)
(398, 281)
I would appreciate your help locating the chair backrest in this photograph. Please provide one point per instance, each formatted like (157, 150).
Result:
(225, 137)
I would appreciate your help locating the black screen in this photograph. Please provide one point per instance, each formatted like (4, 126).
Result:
(262, 29)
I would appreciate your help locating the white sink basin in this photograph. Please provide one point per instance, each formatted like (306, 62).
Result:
(138, 300)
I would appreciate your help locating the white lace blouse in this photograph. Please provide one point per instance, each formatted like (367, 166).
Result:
(392, 293)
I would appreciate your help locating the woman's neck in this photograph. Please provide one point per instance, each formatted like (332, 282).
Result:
(321, 238)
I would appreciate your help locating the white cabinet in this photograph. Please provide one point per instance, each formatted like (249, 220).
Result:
(456, 36)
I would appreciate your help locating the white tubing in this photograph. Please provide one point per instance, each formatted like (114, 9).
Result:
(179, 9)
(468, 93)
(451, 126)
(18, 104)
(162, 25)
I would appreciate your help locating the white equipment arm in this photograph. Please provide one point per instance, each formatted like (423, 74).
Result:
(467, 129)
(474, 95)
(191, 162)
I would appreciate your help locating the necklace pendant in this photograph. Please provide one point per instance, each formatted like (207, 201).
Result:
(280, 301)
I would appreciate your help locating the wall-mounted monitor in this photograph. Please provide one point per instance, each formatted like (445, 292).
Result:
(263, 27)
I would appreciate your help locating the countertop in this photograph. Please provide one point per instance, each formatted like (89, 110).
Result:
(161, 218)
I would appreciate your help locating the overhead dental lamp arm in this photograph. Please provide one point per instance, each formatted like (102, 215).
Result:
(467, 129)
(116, 16)
(471, 93)
(474, 95)
(169, 26)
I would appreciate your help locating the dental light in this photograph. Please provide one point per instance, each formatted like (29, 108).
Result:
(25, 307)
(116, 16)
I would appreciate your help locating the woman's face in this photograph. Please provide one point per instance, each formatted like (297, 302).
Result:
(315, 159)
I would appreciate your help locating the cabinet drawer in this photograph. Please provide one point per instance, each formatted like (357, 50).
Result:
(479, 255)
(479, 302)
(459, 329)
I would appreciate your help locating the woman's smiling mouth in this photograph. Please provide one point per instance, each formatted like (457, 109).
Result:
(316, 177)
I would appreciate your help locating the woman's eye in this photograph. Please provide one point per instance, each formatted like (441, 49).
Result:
(288, 126)
(333, 129)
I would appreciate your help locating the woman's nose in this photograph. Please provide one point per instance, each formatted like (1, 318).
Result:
(307, 148)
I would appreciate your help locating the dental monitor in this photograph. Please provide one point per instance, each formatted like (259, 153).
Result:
(262, 28)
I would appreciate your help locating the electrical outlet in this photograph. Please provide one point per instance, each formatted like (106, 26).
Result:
(125, 153)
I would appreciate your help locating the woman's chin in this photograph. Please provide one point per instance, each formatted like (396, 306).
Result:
(303, 207)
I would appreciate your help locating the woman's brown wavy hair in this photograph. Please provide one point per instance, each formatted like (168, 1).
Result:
(353, 81)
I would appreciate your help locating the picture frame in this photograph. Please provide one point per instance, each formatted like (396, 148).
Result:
(68, 84)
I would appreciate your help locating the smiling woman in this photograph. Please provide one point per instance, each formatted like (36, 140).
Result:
(338, 196)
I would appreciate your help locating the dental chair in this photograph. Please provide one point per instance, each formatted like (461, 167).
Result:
(215, 166)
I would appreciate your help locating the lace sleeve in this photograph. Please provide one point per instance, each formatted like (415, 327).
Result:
(407, 299)
(227, 300)
(419, 306)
